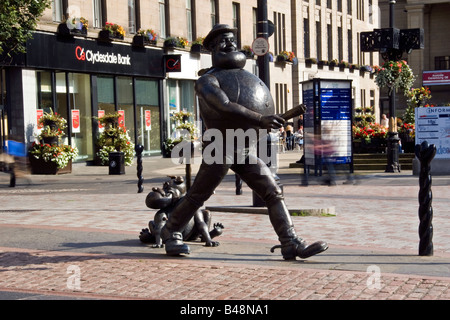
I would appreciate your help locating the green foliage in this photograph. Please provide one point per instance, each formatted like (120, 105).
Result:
(18, 18)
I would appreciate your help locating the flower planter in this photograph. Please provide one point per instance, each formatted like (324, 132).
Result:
(197, 48)
(408, 142)
(105, 35)
(141, 41)
(64, 30)
(50, 140)
(40, 166)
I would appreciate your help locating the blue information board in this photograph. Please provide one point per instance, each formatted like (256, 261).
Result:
(328, 119)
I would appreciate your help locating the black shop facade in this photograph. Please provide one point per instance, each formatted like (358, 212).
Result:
(82, 79)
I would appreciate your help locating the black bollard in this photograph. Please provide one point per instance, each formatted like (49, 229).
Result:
(139, 149)
(425, 153)
(238, 184)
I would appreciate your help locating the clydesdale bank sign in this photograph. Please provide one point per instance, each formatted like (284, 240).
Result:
(50, 51)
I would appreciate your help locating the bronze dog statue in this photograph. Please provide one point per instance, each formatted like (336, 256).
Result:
(165, 199)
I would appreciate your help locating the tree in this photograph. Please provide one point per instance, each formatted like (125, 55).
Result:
(18, 18)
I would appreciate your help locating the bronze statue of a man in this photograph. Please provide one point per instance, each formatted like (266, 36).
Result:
(232, 98)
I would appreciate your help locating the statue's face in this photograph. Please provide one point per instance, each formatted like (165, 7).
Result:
(225, 43)
(225, 54)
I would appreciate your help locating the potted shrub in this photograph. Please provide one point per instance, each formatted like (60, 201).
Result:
(48, 156)
(145, 37)
(114, 138)
(111, 31)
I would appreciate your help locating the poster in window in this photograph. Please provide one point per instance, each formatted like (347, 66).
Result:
(76, 121)
(121, 118)
(39, 114)
(148, 120)
(100, 114)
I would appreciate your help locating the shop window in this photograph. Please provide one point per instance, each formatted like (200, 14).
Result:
(69, 95)
(147, 103)
(125, 104)
(181, 98)
(105, 94)
(44, 83)
(81, 115)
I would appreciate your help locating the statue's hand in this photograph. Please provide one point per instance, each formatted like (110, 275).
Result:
(271, 122)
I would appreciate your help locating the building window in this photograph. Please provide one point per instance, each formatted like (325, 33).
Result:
(442, 63)
(280, 32)
(339, 5)
(214, 13)
(306, 48)
(99, 10)
(189, 19)
(131, 16)
(237, 22)
(330, 42)
(349, 6)
(372, 99)
(329, 4)
(363, 98)
(58, 10)
(340, 44)
(360, 10)
(350, 46)
(280, 97)
(255, 23)
(162, 19)
(319, 40)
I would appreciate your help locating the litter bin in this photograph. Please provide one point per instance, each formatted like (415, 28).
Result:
(116, 163)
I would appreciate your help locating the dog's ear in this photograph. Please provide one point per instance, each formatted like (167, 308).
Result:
(179, 179)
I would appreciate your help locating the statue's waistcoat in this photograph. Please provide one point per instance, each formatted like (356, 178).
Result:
(241, 87)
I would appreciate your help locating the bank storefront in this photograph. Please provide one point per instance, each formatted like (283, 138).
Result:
(82, 79)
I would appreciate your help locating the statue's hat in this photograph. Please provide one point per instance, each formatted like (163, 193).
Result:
(215, 31)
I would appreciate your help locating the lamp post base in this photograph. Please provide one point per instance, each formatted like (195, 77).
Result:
(393, 164)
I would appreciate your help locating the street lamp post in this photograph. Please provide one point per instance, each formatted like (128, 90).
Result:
(392, 43)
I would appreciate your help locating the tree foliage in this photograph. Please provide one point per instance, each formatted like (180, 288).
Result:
(18, 18)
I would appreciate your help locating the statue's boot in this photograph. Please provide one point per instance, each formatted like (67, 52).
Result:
(171, 233)
(291, 246)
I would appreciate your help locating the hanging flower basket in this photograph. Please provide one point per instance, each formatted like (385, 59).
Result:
(394, 75)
